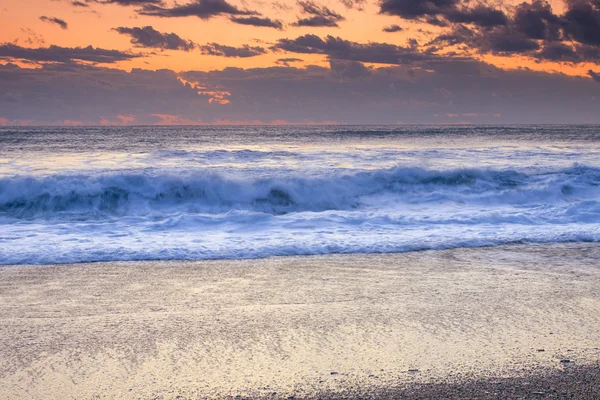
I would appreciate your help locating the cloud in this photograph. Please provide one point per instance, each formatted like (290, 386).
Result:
(54, 20)
(594, 75)
(440, 12)
(215, 49)
(358, 4)
(337, 48)
(203, 9)
(479, 15)
(536, 20)
(76, 92)
(258, 21)
(392, 28)
(411, 9)
(127, 2)
(79, 4)
(343, 92)
(64, 54)
(288, 60)
(582, 21)
(349, 69)
(319, 16)
(150, 37)
(32, 38)
(532, 30)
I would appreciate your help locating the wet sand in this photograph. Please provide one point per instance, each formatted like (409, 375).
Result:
(510, 322)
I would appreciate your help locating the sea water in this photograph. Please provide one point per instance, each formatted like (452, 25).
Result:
(82, 194)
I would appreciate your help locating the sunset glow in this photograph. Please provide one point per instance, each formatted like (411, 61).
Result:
(219, 53)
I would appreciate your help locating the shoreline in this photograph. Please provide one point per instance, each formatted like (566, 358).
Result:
(502, 246)
(330, 326)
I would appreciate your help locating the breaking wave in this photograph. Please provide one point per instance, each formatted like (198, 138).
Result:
(168, 214)
(149, 193)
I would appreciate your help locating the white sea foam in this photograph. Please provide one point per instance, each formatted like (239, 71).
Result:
(132, 215)
(136, 193)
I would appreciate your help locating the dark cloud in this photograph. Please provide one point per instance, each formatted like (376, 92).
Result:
(582, 21)
(288, 60)
(349, 69)
(392, 28)
(480, 15)
(64, 54)
(150, 37)
(532, 30)
(79, 4)
(215, 49)
(319, 16)
(414, 9)
(505, 42)
(203, 9)
(339, 49)
(127, 2)
(54, 20)
(594, 75)
(496, 41)
(557, 51)
(440, 12)
(58, 92)
(537, 21)
(258, 21)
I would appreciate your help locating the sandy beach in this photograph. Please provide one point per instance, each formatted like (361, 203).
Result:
(519, 321)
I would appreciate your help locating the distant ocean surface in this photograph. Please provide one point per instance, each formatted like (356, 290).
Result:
(82, 194)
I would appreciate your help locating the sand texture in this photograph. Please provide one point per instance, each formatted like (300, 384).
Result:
(336, 326)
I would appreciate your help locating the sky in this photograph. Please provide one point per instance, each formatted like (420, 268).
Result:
(166, 62)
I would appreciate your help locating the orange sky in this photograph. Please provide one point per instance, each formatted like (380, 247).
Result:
(476, 61)
(94, 26)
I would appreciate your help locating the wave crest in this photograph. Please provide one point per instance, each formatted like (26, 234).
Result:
(143, 193)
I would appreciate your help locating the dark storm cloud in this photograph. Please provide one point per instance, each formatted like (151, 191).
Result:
(79, 4)
(337, 48)
(595, 76)
(392, 28)
(150, 37)
(54, 20)
(215, 49)
(203, 9)
(258, 21)
(318, 16)
(64, 54)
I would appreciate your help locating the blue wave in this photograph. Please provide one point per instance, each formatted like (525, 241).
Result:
(128, 193)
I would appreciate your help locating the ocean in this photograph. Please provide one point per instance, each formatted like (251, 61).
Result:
(86, 194)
